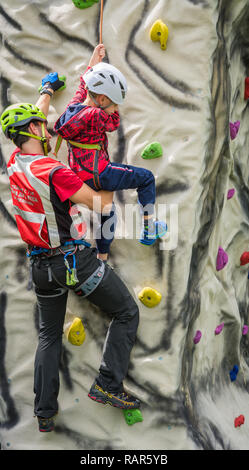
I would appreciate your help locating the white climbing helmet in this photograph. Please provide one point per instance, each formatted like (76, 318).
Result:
(106, 79)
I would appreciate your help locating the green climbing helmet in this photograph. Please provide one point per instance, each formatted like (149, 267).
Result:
(19, 114)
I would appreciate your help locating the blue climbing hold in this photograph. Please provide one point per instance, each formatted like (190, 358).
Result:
(234, 372)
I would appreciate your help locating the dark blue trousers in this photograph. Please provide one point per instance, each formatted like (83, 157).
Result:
(119, 176)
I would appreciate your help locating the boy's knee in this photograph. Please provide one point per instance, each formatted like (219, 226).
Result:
(149, 176)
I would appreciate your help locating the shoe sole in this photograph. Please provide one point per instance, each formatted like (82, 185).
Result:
(107, 402)
(46, 430)
(147, 242)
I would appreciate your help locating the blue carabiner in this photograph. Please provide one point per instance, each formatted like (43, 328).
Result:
(66, 261)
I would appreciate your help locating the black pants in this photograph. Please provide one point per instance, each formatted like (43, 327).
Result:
(111, 295)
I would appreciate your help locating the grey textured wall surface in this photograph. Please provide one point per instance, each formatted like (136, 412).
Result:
(184, 98)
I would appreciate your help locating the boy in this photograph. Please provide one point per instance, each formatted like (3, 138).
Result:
(91, 113)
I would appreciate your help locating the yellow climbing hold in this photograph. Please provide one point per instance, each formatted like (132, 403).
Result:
(159, 32)
(149, 297)
(76, 333)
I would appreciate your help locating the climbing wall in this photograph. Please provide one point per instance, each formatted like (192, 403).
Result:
(190, 364)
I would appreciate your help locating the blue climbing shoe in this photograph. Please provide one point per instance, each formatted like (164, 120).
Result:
(45, 424)
(152, 232)
(118, 399)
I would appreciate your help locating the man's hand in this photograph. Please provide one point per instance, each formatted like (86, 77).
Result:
(98, 55)
(55, 82)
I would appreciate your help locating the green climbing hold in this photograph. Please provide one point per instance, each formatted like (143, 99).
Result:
(153, 150)
(84, 3)
(63, 79)
(132, 416)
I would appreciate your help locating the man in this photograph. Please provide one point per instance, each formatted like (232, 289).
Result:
(43, 192)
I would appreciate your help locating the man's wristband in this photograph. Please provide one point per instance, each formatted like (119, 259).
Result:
(46, 90)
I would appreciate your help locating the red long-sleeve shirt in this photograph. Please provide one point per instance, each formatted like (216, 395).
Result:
(87, 125)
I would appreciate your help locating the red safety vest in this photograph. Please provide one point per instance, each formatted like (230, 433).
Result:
(42, 219)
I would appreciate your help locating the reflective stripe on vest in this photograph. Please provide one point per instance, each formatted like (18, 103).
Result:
(22, 165)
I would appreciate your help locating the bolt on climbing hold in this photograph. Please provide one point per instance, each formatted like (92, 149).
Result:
(76, 334)
(246, 94)
(245, 330)
(234, 129)
(239, 420)
(222, 259)
(244, 259)
(219, 329)
(153, 150)
(149, 297)
(159, 32)
(230, 193)
(133, 416)
(197, 337)
(84, 3)
(233, 373)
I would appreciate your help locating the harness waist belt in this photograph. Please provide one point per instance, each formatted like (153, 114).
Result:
(68, 246)
(93, 281)
(75, 144)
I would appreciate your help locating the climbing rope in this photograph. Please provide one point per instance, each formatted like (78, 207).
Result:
(101, 21)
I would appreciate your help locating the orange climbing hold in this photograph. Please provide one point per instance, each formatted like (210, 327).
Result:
(244, 259)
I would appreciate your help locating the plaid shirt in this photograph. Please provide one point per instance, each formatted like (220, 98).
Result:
(87, 125)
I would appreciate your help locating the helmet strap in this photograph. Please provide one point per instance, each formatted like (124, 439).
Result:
(42, 139)
(96, 102)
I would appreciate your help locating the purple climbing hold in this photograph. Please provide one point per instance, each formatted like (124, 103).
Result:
(230, 193)
(234, 128)
(222, 259)
(219, 329)
(245, 330)
(197, 337)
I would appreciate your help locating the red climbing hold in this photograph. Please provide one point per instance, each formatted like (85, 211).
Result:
(244, 259)
(246, 88)
(239, 420)
(222, 259)
(230, 193)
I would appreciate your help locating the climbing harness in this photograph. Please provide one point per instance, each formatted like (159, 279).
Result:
(69, 249)
(88, 286)
(57, 251)
(96, 147)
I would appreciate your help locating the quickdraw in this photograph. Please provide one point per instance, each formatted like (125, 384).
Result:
(71, 273)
